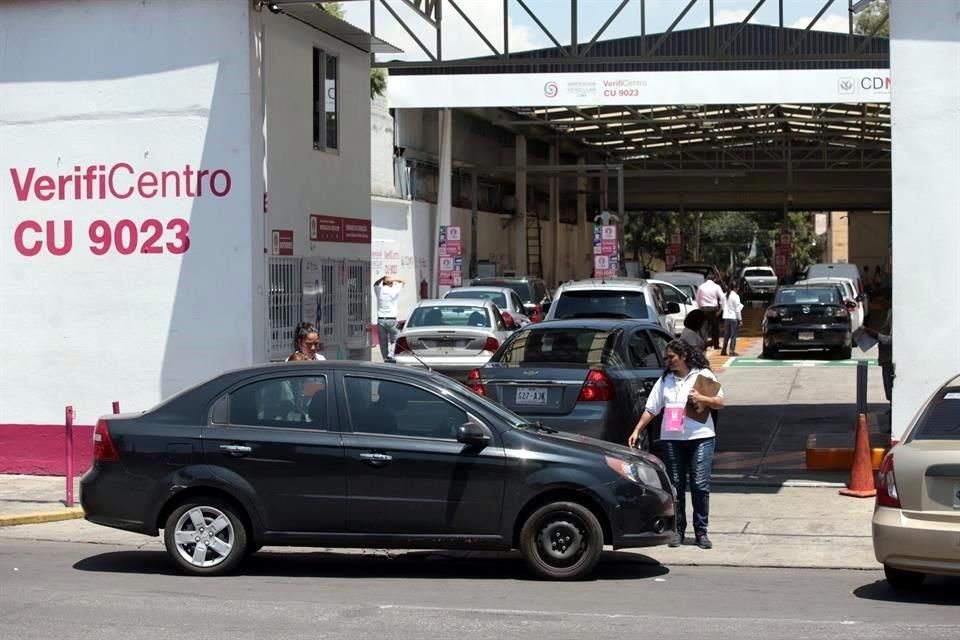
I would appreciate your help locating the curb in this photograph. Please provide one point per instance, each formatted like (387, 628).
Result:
(41, 517)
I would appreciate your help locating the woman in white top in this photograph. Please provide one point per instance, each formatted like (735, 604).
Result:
(687, 444)
(306, 342)
(731, 320)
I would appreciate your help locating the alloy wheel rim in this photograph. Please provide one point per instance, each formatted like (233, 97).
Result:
(204, 536)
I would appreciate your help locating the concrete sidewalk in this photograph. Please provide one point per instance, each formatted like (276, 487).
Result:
(751, 526)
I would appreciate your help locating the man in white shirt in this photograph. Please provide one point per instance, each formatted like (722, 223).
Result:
(387, 290)
(732, 320)
(710, 299)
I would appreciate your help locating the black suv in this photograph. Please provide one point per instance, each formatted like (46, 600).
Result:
(348, 454)
(532, 291)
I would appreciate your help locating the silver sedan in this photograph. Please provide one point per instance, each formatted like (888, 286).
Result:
(506, 299)
(451, 336)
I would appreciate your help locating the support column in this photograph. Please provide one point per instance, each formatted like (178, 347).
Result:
(584, 226)
(520, 220)
(474, 206)
(555, 217)
(444, 192)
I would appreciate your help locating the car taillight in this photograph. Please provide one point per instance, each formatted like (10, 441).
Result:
(473, 381)
(103, 449)
(507, 319)
(773, 313)
(537, 314)
(491, 345)
(887, 495)
(401, 346)
(596, 388)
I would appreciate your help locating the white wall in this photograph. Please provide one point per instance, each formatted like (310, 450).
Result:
(925, 65)
(301, 180)
(158, 85)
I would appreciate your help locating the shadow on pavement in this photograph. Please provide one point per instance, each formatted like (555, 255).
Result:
(934, 590)
(416, 564)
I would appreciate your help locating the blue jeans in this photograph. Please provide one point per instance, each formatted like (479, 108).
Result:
(693, 458)
(730, 330)
(387, 333)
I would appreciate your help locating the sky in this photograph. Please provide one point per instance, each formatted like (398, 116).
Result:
(460, 41)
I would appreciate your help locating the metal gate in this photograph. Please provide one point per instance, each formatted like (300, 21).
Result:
(342, 312)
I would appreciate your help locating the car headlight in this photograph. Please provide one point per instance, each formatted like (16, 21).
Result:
(635, 471)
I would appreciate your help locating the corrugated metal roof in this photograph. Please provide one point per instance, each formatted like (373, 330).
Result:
(337, 28)
(754, 47)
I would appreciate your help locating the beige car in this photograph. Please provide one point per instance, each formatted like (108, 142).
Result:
(916, 522)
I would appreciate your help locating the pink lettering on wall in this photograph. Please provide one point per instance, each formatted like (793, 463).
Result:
(117, 181)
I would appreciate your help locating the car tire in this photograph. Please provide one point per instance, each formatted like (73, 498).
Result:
(902, 579)
(844, 353)
(561, 541)
(769, 353)
(190, 525)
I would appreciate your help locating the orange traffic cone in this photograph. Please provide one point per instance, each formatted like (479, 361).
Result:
(861, 473)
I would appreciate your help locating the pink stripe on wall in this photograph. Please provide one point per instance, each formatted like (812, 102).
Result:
(38, 449)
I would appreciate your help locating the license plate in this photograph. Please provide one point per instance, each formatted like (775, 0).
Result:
(956, 496)
(532, 395)
(805, 335)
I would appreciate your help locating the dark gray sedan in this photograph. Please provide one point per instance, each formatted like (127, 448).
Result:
(585, 376)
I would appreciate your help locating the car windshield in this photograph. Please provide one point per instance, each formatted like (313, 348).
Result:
(522, 288)
(449, 316)
(496, 297)
(765, 272)
(942, 418)
(811, 295)
(598, 303)
(578, 346)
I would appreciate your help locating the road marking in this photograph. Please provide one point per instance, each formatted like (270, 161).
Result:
(763, 362)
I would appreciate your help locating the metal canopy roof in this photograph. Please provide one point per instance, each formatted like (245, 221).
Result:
(310, 14)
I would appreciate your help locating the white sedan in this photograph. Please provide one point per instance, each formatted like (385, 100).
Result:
(672, 293)
(451, 336)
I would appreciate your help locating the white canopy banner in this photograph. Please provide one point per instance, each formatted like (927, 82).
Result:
(808, 86)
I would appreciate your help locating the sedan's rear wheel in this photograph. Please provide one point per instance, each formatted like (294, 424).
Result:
(902, 579)
(205, 537)
(561, 541)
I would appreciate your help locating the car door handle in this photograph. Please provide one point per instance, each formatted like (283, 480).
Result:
(376, 459)
(236, 450)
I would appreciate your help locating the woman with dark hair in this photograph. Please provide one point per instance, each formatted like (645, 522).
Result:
(687, 444)
(693, 329)
(306, 342)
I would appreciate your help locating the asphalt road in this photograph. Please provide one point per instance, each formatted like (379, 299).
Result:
(68, 590)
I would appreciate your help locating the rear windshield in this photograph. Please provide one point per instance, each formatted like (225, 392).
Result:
(600, 304)
(496, 297)
(522, 288)
(942, 418)
(759, 271)
(796, 295)
(560, 346)
(444, 316)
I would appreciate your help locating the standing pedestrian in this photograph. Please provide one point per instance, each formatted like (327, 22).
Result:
(693, 329)
(306, 343)
(688, 445)
(387, 290)
(710, 299)
(884, 338)
(732, 319)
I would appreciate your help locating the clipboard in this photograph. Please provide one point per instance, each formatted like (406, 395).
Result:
(707, 387)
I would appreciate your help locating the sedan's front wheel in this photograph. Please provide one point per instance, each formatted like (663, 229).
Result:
(205, 537)
(902, 579)
(561, 541)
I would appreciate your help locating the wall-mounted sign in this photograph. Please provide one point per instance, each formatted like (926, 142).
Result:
(282, 242)
(337, 229)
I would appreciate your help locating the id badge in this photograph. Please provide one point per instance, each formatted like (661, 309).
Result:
(673, 418)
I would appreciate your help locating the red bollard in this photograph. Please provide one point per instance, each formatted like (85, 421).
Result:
(70, 415)
(116, 406)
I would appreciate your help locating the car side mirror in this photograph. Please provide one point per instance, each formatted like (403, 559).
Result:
(673, 307)
(851, 305)
(473, 434)
(859, 297)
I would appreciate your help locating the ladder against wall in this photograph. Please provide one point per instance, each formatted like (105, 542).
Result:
(534, 244)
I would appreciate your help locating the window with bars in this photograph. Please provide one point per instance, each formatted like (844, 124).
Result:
(285, 303)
